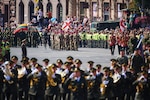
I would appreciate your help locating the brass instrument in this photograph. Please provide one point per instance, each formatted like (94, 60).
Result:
(103, 86)
(116, 78)
(72, 86)
(7, 73)
(90, 81)
(21, 72)
(50, 81)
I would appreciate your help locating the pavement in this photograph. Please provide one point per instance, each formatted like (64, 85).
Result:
(98, 55)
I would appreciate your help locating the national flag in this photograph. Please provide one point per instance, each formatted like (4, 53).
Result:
(20, 27)
(66, 25)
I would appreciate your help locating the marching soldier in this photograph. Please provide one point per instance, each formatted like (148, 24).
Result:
(118, 83)
(112, 43)
(23, 48)
(106, 87)
(37, 83)
(66, 81)
(89, 67)
(93, 86)
(23, 82)
(45, 64)
(142, 87)
(79, 86)
(10, 87)
(52, 91)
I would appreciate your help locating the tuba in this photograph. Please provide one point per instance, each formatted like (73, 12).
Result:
(50, 81)
(7, 73)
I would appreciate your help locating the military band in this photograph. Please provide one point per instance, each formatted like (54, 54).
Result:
(68, 81)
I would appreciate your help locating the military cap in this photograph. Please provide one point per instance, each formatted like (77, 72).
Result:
(116, 66)
(59, 61)
(24, 61)
(90, 62)
(106, 69)
(93, 69)
(54, 65)
(77, 70)
(25, 58)
(78, 61)
(67, 63)
(14, 57)
(113, 60)
(11, 62)
(98, 66)
(46, 60)
(38, 66)
(70, 58)
(33, 59)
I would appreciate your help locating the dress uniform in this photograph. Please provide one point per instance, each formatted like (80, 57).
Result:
(23, 82)
(10, 83)
(52, 91)
(106, 87)
(93, 85)
(89, 67)
(66, 81)
(23, 48)
(37, 83)
(80, 86)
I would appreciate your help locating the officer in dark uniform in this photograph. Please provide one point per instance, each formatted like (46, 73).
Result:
(80, 86)
(23, 48)
(94, 82)
(11, 75)
(23, 82)
(52, 86)
(106, 87)
(37, 83)
(89, 67)
(15, 60)
(66, 81)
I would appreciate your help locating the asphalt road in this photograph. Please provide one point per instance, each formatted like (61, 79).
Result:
(98, 55)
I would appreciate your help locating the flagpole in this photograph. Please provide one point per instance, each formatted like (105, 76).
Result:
(141, 38)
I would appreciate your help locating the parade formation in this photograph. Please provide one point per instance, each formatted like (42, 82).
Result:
(127, 77)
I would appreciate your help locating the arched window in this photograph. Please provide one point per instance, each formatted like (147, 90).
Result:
(59, 12)
(40, 5)
(49, 7)
(31, 10)
(21, 12)
(67, 7)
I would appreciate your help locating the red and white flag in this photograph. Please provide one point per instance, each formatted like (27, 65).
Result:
(66, 25)
(122, 25)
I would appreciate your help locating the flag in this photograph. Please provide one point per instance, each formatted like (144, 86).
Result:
(122, 25)
(20, 27)
(66, 25)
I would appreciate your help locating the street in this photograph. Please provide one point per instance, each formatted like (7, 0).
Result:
(98, 55)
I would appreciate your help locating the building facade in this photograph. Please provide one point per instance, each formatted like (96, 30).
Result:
(22, 11)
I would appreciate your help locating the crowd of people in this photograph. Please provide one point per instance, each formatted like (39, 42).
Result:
(125, 78)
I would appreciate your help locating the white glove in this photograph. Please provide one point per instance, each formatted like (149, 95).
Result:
(7, 77)
(34, 71)
(105, 82)
(72, 76)
(53, 76)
